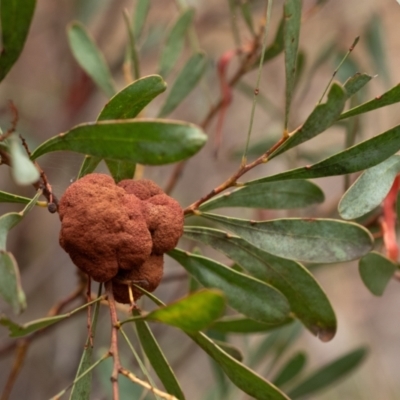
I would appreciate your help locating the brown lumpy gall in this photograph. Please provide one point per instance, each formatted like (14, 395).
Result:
(147, 275)
(119, 232)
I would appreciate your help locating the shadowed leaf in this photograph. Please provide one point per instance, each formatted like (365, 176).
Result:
(121, 170)
(139, 17)
(355, 83)
(13, 198)
(291, 369)
(240, 324)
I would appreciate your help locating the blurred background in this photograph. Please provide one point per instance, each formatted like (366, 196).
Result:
(53, 94)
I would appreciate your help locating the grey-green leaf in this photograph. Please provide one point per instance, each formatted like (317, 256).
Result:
(16, 17)
(13, 198)
(139, 17)
(10, 282)
(90, 58)
(322, 117)
(356, 83)
(376, 272)
(247, 295)
(310, 240)
(291, 369)
(307, 300)
(240, 324)
(291, 34)
(329, 374)
(270, 195)
(157, 358)
(370, 189)
(186, 81)
(130, 101)
(23, 171)
(390, 97)
(175, 41)
(356, 158)
(145, 141)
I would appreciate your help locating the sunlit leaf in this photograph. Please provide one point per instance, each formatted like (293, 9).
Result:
(329, 374)
(275, 195)
(88, 166)
(228, 348)
(356, 158)
(10, 282)
(175, 41)
(144, 141)
(186, 81)
(90, 58)
(355, 83)
(370, 189)
(23, 171)
(192, 313)
(322, 117)
(247, 295)
(157, 358)
(291, 34)
(306, 298)
(16, 17)
(291, 369)
(390, 97)
(376, 272)
(310, 240)
(240, 324)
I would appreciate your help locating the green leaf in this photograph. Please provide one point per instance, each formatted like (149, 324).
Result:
(10, 282)
(247, 17)
(139, 17)
(157, 358)
(356, 158)
(355, 83)
(90, 58)
(88, 166)
(275, 195)
(247, 295)
(175, 41)
(376, 272)
(16, 17)
(145, 141)
(310, 240)
(306, 298)
(241, 376)
(17, 330)
(275, 48)
(329, 373)
(233, 351)
(23, 171)
(291, 34)
(121, 170)
(322, 117)
(370, 189)
(291, 369)
(390, 97)
(240, 324)
(186, 81)
(13, 198)
(132, 51)
(192, 313)
(8, 221)
(130, 101)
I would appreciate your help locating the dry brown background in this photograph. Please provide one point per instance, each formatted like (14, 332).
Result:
(53, 95)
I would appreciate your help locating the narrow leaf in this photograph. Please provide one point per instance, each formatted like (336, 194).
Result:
(157, 358)
(129, 102)
(275, 48)
(121, 170)
(152, 142)
(239, 324)
(370, 189)
(376, 272)
(23, 171)
(291, 369)
(306, 298)
(90, 58)
(247, 295)
(274, 195)
(356, 158)
(175, 41)
(13, 198)
(355, 83)
(390, 97)
(186, 81)
(16, 17)
(139, 17)
(241, 376)
(233, 351)
(329, 374)
(291, 34)
(10, 282)
(88, 166)
(192, 313)
(309, 240)
(322, 117)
